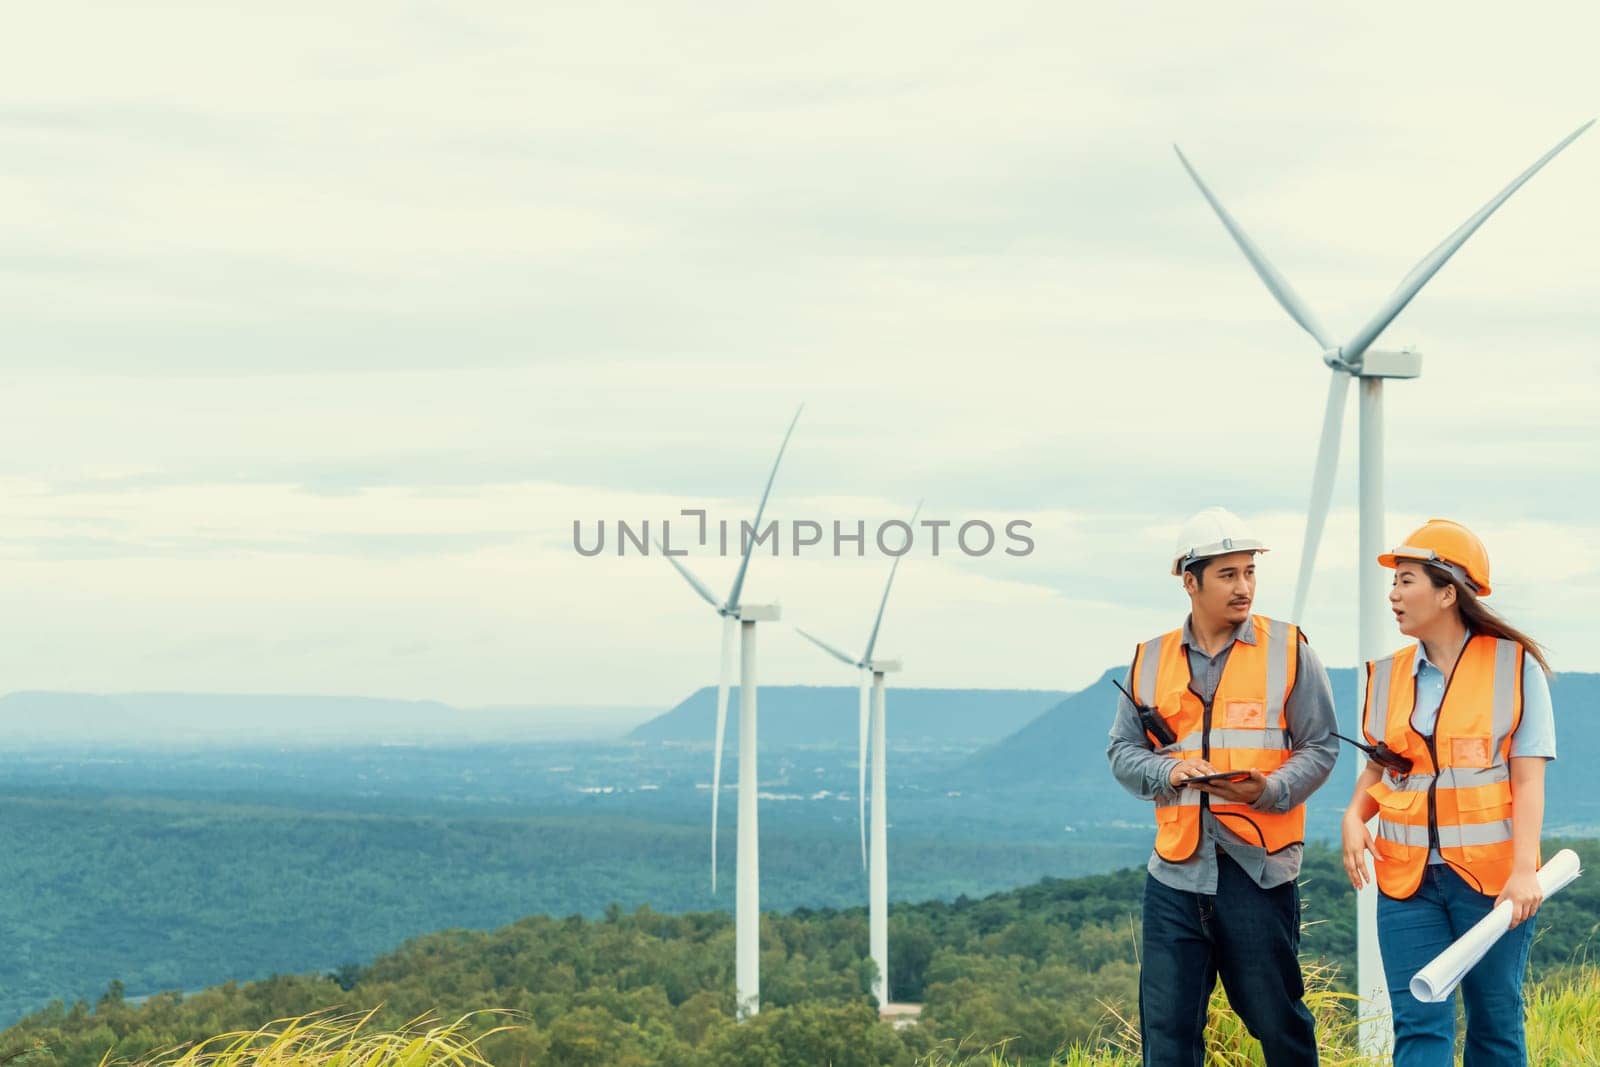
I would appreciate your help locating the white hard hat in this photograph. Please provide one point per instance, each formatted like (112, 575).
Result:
(1212, 532)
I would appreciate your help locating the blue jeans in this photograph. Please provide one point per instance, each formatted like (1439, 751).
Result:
(1247, 936)
(1411, 933)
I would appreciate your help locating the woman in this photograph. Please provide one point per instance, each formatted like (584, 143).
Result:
(1469, 706)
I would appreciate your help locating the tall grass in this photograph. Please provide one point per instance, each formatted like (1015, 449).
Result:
(1563, 1031)
(1563, 1028)
(327, 1041)
(1564, 1018)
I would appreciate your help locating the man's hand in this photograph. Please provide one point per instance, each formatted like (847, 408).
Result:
(1189, 768)
(1522, 889)
(1246, 792)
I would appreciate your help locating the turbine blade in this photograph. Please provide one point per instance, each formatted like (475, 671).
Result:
(829, 649)
(1430, 264)
(1275, 282)
(744, 564)
(1321, 487)
(863, 716)
(730, 633)
(699, 587)
(872, 640)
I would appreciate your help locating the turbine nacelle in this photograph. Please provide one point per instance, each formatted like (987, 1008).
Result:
(882, 666)
(757, 612)
(1383, 363)
(1376, 363)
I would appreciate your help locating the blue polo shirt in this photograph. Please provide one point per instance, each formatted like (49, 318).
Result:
(1535, 734)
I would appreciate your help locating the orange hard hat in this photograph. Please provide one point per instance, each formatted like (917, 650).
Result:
(1449, 546)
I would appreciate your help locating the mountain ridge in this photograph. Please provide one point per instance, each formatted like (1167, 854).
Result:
(827, 714)
(58, 717)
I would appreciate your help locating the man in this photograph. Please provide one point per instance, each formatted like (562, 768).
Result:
(1243, 694)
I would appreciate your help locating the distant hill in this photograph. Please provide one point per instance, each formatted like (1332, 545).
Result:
(86, 719)
(826, 715)
(1070, 738)
(1062, 754)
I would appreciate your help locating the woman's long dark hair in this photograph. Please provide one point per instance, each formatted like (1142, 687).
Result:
(1482, 619)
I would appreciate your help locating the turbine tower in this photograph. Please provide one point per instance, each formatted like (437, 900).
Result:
(741, 618)
(1356, 359)
(872, 672)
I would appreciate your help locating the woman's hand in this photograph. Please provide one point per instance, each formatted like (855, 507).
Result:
(1522, 889)
(1357, 841)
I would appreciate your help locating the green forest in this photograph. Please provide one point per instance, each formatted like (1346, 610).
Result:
(1039, 967)
(175, 892)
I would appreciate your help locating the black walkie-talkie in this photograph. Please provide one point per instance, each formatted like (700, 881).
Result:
(1382, 755)
(1148, 718)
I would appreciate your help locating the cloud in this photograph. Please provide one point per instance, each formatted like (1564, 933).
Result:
(321, 334)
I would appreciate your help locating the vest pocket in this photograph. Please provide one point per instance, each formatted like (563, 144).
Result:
(1475, 831)
(1405, 811)
(1245, 715)
(1483, 801)
(1471, 751)
(1177, 834)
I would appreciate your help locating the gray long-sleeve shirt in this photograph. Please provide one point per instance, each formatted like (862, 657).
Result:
(1310, 719)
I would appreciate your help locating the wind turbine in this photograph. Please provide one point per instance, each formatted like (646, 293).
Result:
(741, 618)
(872, 672)
(1356, 359)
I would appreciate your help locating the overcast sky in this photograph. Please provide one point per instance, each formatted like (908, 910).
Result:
(323, 325)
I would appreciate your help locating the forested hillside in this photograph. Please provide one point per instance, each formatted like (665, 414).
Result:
(1041, 965)
(164, 892)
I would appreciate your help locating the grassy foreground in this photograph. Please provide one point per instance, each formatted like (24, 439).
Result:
(320, 1040)
(1563, 1030)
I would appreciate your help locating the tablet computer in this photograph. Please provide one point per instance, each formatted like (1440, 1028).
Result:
(1224, 776)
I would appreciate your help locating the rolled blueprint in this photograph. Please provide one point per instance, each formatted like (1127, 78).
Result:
(1439, 978)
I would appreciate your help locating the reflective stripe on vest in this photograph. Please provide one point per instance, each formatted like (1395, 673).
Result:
(1246, 729)
(1465, 795)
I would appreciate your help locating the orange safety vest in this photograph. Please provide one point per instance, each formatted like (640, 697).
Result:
(1458, 794)
(1243, 728)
